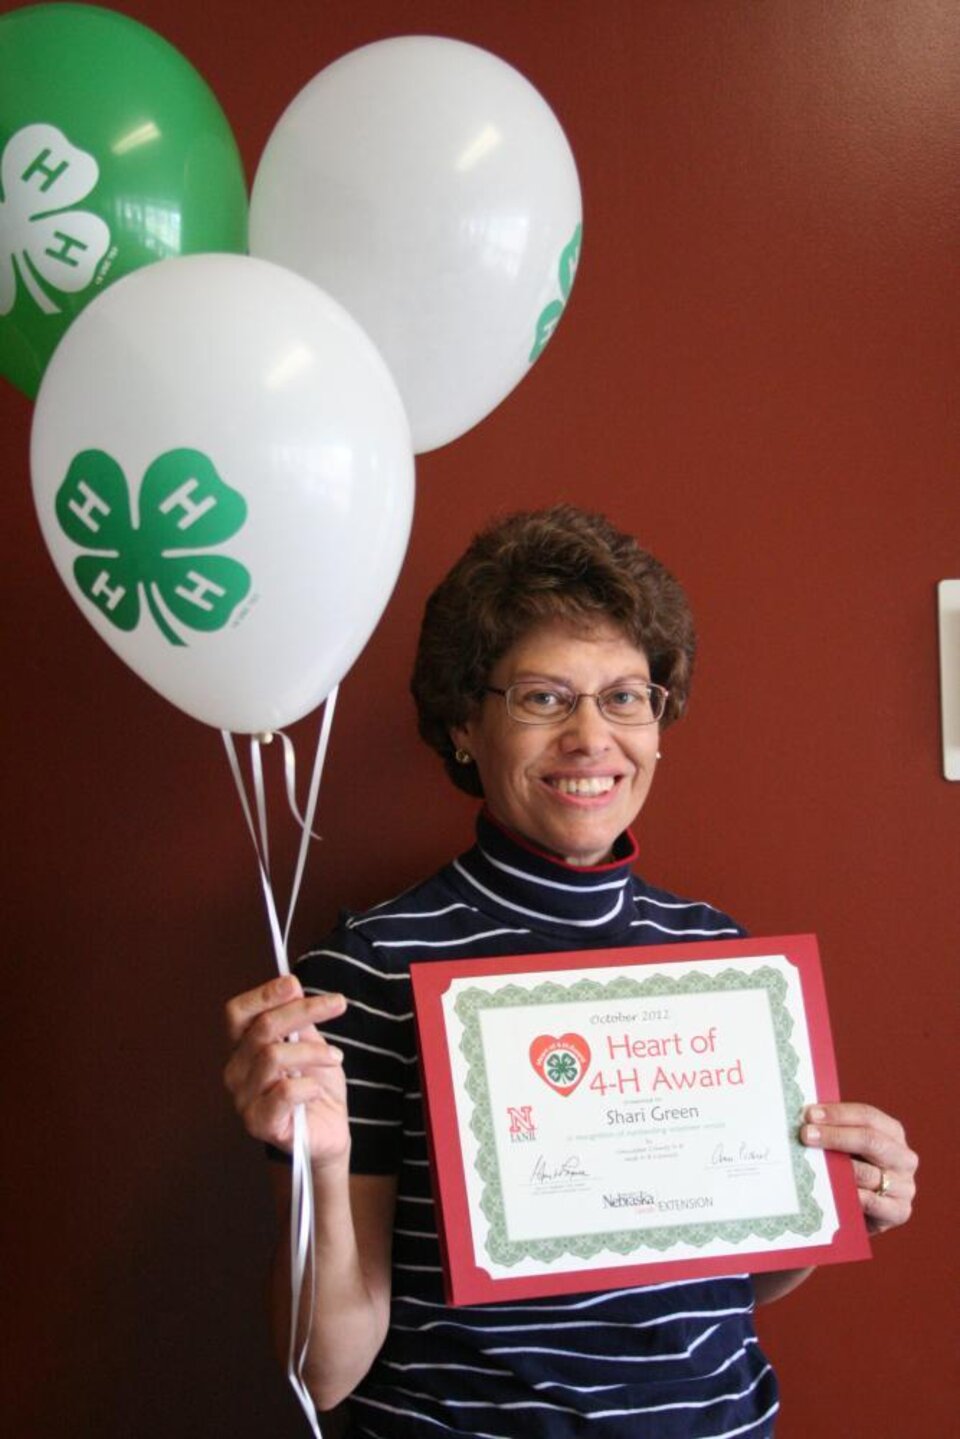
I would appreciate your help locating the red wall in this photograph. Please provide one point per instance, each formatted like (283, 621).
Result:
(757, 374)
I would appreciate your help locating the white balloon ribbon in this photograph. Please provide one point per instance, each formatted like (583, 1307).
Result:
(290, 781)
(302, 1201)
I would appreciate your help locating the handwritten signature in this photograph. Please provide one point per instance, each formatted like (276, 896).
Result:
(569, 1168)
(746, 1154)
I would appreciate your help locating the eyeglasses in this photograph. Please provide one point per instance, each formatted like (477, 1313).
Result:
(631, 702)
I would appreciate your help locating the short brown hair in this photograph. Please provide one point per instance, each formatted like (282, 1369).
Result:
(527, 569)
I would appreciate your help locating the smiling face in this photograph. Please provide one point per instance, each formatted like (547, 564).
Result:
(571, 787)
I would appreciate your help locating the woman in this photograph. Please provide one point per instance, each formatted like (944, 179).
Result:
(551, 660)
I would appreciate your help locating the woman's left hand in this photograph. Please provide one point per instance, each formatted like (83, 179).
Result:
(883, 1163)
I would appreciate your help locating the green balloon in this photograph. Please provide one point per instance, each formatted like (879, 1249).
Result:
(113, 153)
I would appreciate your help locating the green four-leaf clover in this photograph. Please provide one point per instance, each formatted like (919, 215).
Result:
(42, 237)
(562, 1067)
(549, 317)
(184, 508)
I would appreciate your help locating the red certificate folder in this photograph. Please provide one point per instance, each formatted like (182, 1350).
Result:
(657, 1078)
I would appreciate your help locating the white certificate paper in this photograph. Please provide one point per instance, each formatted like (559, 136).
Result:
(615, 1111)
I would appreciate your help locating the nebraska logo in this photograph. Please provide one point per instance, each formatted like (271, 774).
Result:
(522, 1128)
(562, 1062)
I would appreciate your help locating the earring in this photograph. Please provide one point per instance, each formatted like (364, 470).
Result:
(462, 757)
(659, 755)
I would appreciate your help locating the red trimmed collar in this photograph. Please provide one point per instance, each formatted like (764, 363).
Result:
(625, 849)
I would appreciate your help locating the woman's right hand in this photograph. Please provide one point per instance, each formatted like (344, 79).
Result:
(269, 1074)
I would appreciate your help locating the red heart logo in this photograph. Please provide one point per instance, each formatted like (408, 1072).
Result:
(560, 1062)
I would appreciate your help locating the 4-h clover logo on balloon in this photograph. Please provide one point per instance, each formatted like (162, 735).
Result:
(549, 317)
(184, 508)
(42, 237)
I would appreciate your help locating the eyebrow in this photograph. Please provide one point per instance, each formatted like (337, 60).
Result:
(534, 677)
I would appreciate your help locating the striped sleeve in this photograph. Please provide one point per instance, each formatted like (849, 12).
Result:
(376, 1035)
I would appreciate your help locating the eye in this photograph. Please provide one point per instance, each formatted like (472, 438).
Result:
(540, 700)
(627, 699)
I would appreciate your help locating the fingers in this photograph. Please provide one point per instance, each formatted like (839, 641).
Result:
(243, 1008)
(276, 1004)
(886, 1196)
(845, 1115)
(884, 1165)
(251, 1071)
(860, 1130)
(279, 1057)
(270, 1116)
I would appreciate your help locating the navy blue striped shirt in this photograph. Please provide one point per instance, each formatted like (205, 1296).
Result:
(663, 1361)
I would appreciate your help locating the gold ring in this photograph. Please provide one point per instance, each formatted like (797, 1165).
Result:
(884, 1184)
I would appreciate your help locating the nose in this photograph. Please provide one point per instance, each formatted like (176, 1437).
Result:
(585, 729)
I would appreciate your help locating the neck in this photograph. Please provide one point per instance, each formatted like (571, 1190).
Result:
(622, 851)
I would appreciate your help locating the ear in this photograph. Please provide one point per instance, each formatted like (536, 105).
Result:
(461, 735)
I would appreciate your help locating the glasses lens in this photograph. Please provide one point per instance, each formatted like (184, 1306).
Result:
(633, 703)
(539, 704)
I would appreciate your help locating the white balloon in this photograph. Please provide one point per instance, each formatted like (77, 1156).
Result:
(224, 477)
(429, 187)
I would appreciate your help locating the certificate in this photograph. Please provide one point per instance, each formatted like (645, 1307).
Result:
(613, 1117)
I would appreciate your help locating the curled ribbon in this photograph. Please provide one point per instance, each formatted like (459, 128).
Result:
(302, 1203)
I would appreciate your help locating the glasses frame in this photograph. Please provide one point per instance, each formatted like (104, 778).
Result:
(577, 696)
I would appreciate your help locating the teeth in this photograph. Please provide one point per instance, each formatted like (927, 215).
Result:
(595, 784)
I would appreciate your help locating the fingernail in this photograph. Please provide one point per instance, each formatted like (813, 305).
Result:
(816, 1113)
(811, 1133)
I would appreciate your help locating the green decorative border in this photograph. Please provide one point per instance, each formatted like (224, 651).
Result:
(504, 1251)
